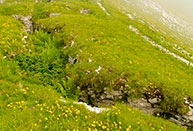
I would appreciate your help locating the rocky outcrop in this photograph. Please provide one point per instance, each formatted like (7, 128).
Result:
(149, 104)
(146, 107)
(26, 20)
(101, 97)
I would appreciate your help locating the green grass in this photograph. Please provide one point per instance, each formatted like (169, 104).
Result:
(41, 67)
(118, 50)
(11, 35)
(39, 108)
(19, 8)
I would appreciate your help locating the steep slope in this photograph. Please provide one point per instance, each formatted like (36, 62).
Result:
(114, 48)
(98, 52)
(158, 15)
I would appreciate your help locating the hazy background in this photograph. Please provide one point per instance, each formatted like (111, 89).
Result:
(182, 8)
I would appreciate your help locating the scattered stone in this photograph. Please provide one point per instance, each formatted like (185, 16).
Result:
(109, 97)
(72, 60)
(143, 105)
(86, 11)
(186, 101)
(154, 100)
(150, 104)
(191, 106)
(97, 70)
(30, 50)
(106, 102)
(4, 57)
(26, 21)
(116, 93)
(54, 14)
(25, 37)
(90, 60)
(153, 96)
(72, 43)
(176, 121)
(88, 72)
(83, 96)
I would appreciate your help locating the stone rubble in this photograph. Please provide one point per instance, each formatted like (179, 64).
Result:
(97, 70)
(54, 14)
(148, 104)
(85, 11)
(28, 28)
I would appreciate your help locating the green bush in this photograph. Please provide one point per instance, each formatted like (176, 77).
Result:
(44, 61)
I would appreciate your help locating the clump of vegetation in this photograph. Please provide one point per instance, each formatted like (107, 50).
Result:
(27, 104)
(44, 59)
(11, 36)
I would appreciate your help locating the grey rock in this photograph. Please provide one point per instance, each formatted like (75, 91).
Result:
(85, 11)
(26, 21)
(144, 106)
(106, 102)
(110, 97)
(154, 100)
(176, 121)
(189, 115)
(191, 106)
(120, 97)
(107, 92)
(54, 14)
(83, 96)
(103, 97)
(116, 93)
(72, 60)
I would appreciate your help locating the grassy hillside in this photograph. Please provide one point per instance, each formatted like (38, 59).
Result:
(83, 44)
(28, 105)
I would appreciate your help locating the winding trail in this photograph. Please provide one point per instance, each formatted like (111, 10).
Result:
(160, 47)
(101, 6)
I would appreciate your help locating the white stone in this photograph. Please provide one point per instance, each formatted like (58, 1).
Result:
(93, 109)
(97, 70)
(90, 60)
(54, 14)
(100, 5)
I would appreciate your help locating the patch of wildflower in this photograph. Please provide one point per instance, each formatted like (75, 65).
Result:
(11, 36)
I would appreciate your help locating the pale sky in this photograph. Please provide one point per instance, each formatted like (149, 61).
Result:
(181, 7)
